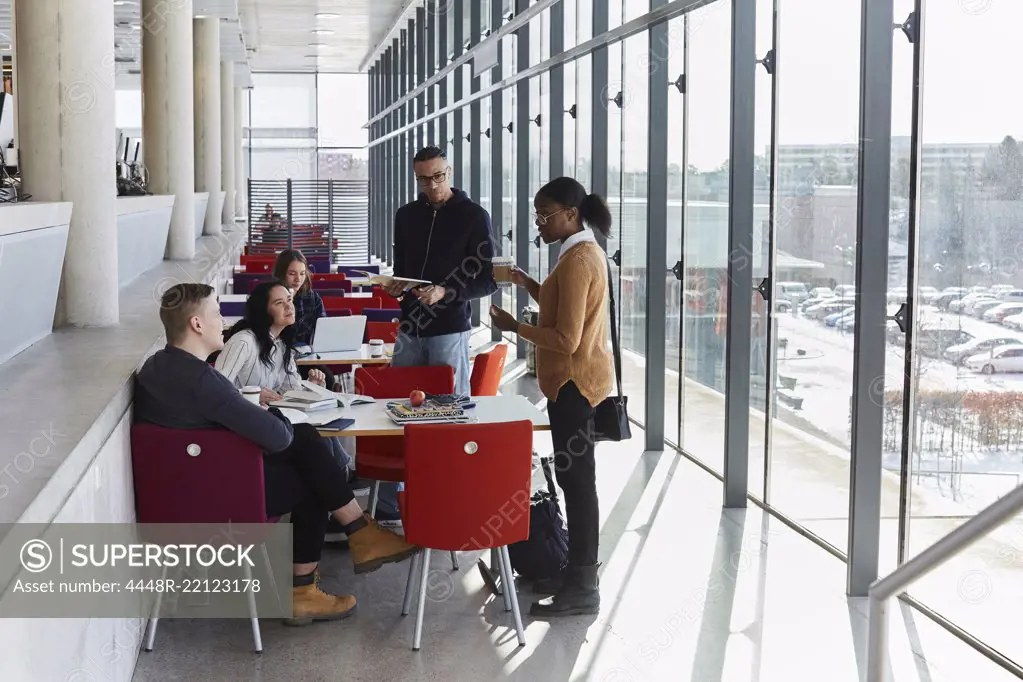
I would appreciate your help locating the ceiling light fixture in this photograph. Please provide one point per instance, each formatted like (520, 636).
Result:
(322, 32)
(327, 15)
(317, 45)
(122, 3)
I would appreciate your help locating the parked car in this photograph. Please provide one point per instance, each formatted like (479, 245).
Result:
(1002, 311)
(1011, 296)
(1001, 359)
(810, 302)
(794, 292)
(1013, 321)
(782, 306)
(958, 355)
(821, 292)
(822, 310)
(997, 289)
(950, 294)
(834, 319)
(978, 290)
(978, 308)
(845, 291)
(928, 294)
(960, 305)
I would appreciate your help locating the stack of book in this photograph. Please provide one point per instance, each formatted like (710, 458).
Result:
(430, 412)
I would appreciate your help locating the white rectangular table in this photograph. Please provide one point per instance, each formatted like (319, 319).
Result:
(372, 420)
(349, 357)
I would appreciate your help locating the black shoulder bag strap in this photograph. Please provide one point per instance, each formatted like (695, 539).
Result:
(616, 349)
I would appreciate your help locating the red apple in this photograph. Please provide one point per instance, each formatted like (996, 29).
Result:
(416, 398)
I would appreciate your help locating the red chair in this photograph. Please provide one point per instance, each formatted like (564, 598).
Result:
(328, 277)
(382, 458)
(388, 331)
(487, 468)
(331, 285)
(179, 478)
(356, 305)
(487, 369)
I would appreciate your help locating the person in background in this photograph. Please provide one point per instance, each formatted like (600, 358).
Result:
(292, 269)
(443, 237)
(177, 389)
(575, 371)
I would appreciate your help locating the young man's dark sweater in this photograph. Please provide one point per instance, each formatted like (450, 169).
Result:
(453, 246)
(177, 390)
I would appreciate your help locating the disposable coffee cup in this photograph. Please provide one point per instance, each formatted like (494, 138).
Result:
(503, 266)
(251, 394)
(376, 348)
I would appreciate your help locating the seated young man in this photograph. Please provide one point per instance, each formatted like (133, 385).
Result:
(176, 388)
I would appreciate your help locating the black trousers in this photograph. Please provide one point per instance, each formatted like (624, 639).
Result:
(307, 481)
(575, 468)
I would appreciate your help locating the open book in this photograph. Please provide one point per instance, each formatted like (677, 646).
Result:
(311, 397)
(387, 280)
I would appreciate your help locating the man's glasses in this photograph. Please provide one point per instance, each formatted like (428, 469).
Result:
(542, 219)
(435, 179)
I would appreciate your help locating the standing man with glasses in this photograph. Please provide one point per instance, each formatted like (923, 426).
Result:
(445, 238)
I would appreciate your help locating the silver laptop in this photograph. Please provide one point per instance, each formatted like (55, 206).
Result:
(337, 334)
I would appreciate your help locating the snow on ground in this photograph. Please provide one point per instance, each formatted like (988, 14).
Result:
(824, 380)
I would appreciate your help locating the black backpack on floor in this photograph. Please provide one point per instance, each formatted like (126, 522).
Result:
(545, 553)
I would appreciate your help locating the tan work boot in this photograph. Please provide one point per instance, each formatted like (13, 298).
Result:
(309, 603)
(372, 547)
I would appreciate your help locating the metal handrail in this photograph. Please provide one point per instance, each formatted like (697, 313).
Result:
(988, 519)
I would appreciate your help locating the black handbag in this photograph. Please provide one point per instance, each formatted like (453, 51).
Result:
(545, 553)
(611, 418)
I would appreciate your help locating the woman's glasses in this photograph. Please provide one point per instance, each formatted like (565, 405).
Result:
(542, 219)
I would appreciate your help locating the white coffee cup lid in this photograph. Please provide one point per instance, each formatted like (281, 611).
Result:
(376, 342)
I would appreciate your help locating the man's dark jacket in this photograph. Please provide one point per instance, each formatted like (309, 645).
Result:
(453, 246)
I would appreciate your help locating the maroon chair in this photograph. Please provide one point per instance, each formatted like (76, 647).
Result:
(180, 476)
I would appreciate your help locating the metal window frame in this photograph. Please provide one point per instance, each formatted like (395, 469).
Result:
(740, 252)
(458, 123)
(523, 197)
(599, 69)
(521, 18)
(638, 25)
(497, 159)
(869, 344)
(413, 119)
(556, 113)
(656, 233)
(442, 83)
(431, 68)
(475, 127)
(421, 48)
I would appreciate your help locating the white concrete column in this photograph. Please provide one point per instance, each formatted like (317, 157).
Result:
(227, 154)
(241, 190)
(167, 115)
(68, 146)
(207, 117)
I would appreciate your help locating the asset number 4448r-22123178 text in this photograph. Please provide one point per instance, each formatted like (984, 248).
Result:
(195, 586)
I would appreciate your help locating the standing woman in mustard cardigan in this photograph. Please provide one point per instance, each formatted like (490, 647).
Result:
(575, 371)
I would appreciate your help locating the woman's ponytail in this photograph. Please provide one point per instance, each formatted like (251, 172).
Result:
(595, 213)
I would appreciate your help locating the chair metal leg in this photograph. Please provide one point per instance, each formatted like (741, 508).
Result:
(454, 561)
(406, 605)
(509, 588)
(155, 618)
(495, 568)
(257, 639)
(417, 637)
(374, 497)
(505, 592)
(270, 574)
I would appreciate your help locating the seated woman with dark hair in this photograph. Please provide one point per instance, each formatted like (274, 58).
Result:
(292, 269)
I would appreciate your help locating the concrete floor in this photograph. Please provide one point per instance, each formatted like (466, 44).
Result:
(690, 593)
